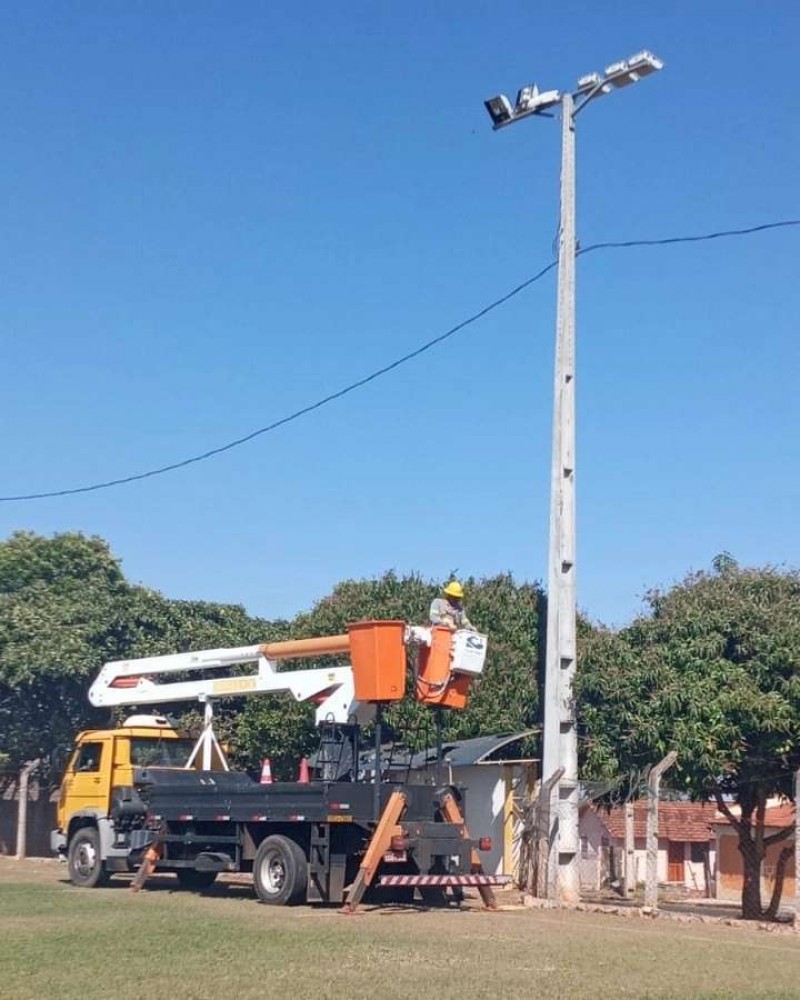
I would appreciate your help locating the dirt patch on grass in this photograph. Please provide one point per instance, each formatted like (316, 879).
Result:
(31, 869)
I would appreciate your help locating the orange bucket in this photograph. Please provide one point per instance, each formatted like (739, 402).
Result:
(435, 685)
(378, 656)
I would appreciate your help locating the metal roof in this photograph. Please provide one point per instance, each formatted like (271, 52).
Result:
(456, 753)
(465, 753)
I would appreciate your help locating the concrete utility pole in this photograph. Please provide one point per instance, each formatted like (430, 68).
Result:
(560, 738)
(560, 749)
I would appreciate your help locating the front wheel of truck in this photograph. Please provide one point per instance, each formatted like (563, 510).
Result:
(86, 868)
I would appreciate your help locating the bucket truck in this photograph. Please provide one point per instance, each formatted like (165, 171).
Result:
(142, 797)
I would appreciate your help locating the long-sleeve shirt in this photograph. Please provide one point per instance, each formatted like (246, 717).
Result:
(444, 613)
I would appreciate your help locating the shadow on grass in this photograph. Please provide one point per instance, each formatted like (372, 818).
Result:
(224, 889)
(169, 884)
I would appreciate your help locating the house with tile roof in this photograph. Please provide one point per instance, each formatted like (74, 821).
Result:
(686, 845)
(730, 872)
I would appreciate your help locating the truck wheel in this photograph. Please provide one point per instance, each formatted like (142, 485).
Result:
(86, 868)
(194, 880)
(280, 872)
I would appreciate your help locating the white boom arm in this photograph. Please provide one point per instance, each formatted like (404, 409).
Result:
(146, 681)
(135, 682)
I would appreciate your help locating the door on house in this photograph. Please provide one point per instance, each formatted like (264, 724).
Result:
(676, 853)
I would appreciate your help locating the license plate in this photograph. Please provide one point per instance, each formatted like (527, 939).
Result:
(395, 857)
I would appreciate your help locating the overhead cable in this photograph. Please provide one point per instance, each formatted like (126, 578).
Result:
(378, 373)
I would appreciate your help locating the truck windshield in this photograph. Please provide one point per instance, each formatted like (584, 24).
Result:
(155, 751)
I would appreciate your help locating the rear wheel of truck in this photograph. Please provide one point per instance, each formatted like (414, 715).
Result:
(86, 868)
(279, 871)
(195, 881)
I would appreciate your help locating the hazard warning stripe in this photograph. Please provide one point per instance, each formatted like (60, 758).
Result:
(444, 880)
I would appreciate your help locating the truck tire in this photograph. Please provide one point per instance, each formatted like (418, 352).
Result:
(85, 864)
(280, 871)
(195, 881)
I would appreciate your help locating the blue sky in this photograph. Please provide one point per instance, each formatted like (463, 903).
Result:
(215, 213)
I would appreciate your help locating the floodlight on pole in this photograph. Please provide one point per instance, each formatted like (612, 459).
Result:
(499, 109)
(560, 745)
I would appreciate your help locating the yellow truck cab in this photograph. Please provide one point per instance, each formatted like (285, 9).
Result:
(97, 793)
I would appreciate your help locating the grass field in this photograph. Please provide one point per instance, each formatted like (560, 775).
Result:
(70, 944)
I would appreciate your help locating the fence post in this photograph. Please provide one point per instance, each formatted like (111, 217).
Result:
(653, 787)
(22, 810)
(628, 876)
(797, 849)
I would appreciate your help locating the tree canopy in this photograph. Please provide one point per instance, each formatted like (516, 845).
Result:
(65, 609)
(505, 700)
(712, 672)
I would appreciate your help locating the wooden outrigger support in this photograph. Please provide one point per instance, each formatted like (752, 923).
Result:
(379, 844)
(381, 840)
(151, 858)
(451, 812)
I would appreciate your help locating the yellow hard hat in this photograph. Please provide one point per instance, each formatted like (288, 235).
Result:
(454, 589)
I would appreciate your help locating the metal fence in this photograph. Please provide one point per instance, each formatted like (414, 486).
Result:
(41, 819)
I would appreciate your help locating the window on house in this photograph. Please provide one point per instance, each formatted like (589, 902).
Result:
(698, 852)
(584, 848)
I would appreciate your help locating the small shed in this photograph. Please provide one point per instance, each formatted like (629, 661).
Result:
(493, 770)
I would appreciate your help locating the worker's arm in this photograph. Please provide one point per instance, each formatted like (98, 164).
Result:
(440, 614)
(466, 623)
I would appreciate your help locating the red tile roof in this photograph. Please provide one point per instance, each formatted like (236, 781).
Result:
(677, 821)
(775, 816)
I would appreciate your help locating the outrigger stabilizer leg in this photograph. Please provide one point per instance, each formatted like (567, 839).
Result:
(149, 862)
(379, 844)
(451, 811)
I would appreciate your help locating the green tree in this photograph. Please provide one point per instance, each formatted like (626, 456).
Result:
(713, 672)
(506, 698)
(65, 609)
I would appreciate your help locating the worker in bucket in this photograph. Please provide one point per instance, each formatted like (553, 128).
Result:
(448, 610)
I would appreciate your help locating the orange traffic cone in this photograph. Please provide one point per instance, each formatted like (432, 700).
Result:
(303, 777)
(266, 772)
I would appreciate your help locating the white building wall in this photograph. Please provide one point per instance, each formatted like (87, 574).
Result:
(486, 788)
(590, 867)
(640, 860)
(486, 796)
(693, 871)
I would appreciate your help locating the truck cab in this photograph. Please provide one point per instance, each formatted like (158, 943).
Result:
(98, 781)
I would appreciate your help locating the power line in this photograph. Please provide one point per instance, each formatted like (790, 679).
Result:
(297, 413)
(668, 241)
(378, 373)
